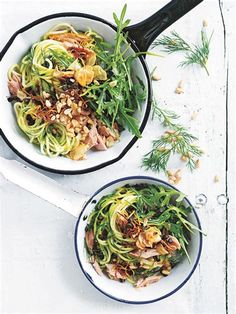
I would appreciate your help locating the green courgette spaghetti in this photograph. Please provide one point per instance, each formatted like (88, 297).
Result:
(73, 91)
(139, 233)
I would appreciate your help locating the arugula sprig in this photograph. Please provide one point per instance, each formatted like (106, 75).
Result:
(122, 94)
(173, 215)
(194, 53)
(177, 140)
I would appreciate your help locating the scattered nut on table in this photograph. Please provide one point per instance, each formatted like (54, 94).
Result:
(174, 177)
(180, 88)
(204, 23)
(197, 163)
(155, 75)
(194, 115)
(216, 178)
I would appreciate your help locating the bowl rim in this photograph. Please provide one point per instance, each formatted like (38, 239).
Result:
(148, 101)
(167, 294)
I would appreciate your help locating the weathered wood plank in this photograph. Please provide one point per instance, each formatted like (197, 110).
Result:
(37, 249)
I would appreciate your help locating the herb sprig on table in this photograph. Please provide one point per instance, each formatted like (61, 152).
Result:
(177, 140)
(194, 53)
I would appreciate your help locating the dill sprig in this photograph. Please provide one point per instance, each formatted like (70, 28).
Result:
(194, 54)
(166, 117)
(177, 140)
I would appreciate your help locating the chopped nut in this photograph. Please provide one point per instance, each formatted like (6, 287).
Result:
(216, 179)
(161, 149)
(180, 88)
(145, 221)
(178, 173)
(110, 141)
(184, 158)
(194, 115)
(170, 172)
(86, 130)
(63, 101)
(48, 104)
(74, 106)
(59, 106)
(165, 272)
(197, 163)
(77, 130)
(177, 180)
(69, 102)
(53, 118)
(67, 111)
(75, 123)
(113, 83)
(46, 95)
(174, 177)
(155, 76)
(63, 118)
(170, 132)
(204, 23)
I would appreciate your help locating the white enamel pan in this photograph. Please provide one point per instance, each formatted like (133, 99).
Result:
(141, 36)
(81, 206)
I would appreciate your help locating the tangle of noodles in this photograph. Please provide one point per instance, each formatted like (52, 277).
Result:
(51, 137)
(65, 95)
(138, 233)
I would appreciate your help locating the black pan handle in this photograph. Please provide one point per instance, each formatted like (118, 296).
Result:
(145, 32)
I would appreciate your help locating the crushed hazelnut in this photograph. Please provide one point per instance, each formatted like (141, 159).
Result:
(180, 88)
(174, 177)
(165, 272)
(75, 123)
(113, 83)
(69, 102)
(216, 179)
(67, 112)
(184, 158)
(204, 23)
(46, 95)
(197, 163)
(48, 104)
(155, 76)
(194, 115)
(170, 132)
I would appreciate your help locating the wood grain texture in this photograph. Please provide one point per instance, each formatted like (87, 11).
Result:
(39, 272)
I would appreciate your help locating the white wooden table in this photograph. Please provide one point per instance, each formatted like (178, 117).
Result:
(39, 272)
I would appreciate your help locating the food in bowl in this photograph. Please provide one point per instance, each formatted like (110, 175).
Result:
(139, 233)
(73, 92)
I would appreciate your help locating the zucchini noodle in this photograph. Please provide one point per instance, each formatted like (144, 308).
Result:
(138, 233)
(51, 137)
(65, 96)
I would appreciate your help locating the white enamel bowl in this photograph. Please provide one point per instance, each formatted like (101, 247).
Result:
(125, 292)
(15, 50)
(141, 36)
